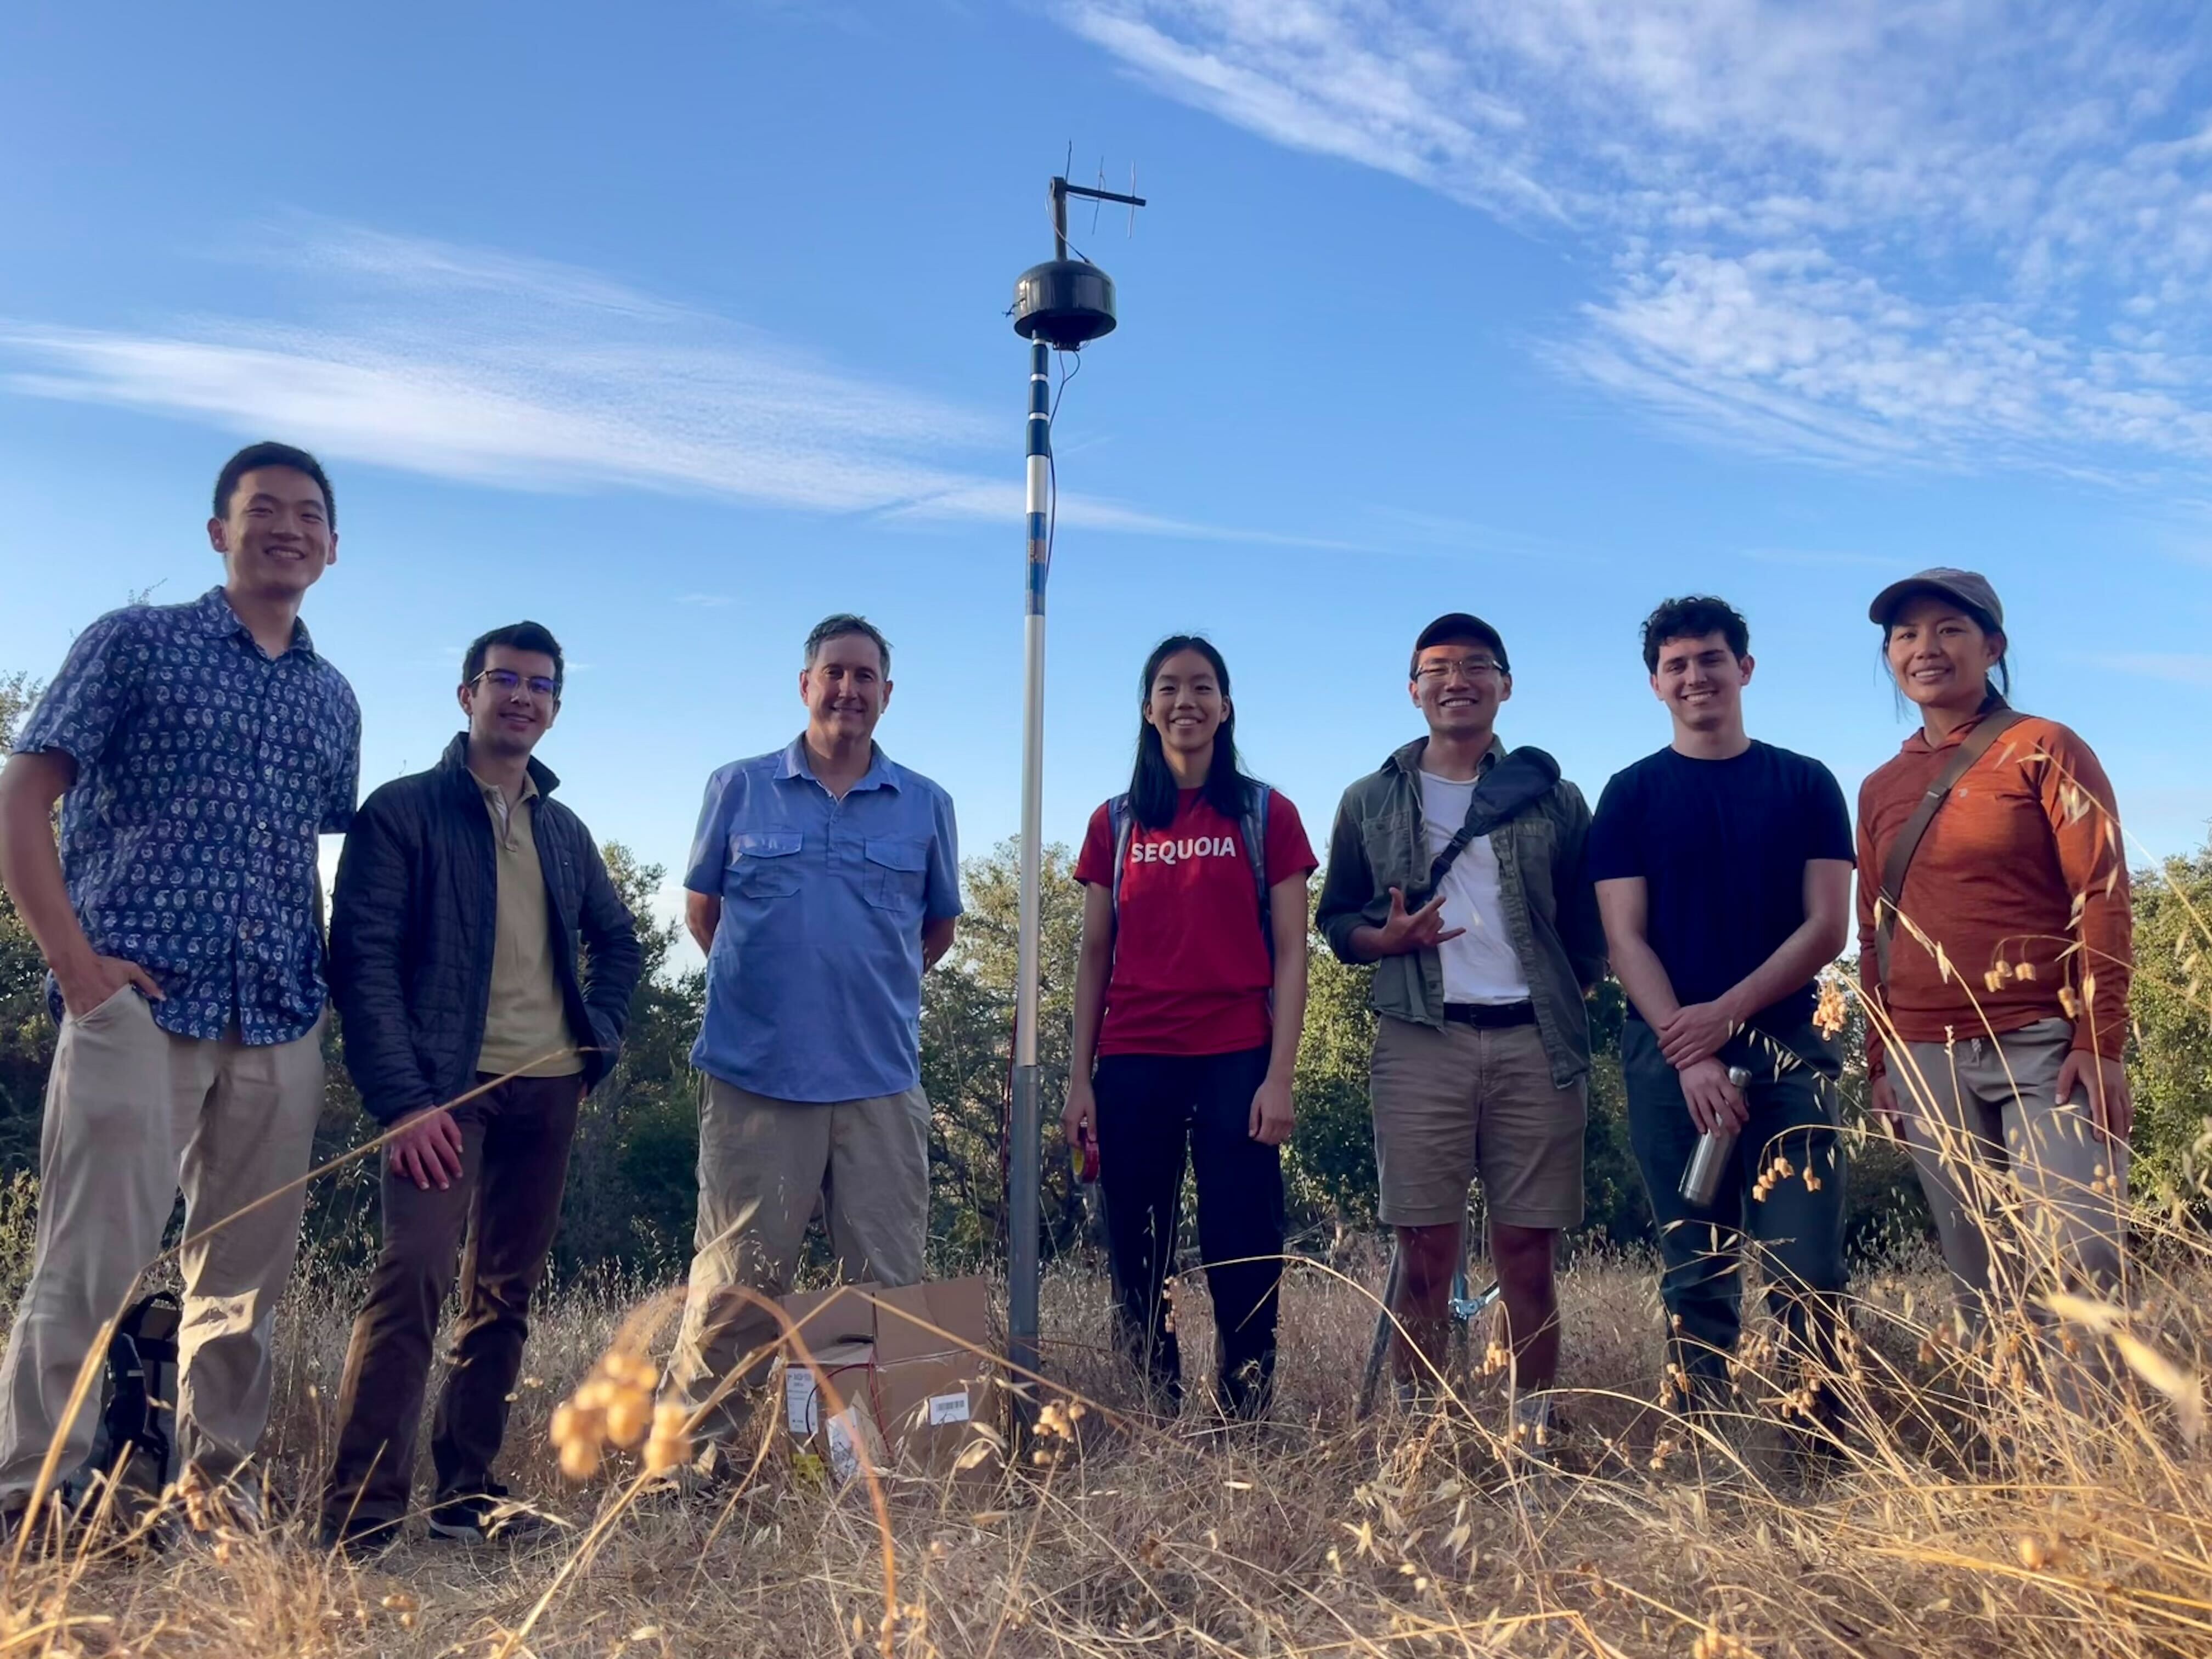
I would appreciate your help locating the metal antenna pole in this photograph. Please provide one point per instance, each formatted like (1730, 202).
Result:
(1026, 1152)
(1057, 307)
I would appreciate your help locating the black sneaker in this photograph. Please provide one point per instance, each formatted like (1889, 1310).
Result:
(14, 1519)
(359, 1539)
(57, 1526)
(492, 1515)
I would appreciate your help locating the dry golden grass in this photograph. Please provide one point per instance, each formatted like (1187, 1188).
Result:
(2022, 1530)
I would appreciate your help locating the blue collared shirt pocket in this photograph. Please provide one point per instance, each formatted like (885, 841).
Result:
(897, 868)
(764, 864)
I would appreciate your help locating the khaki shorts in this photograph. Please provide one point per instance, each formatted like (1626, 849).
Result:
(1463, 1103)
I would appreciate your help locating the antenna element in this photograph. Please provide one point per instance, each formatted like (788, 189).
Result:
(1067, 303)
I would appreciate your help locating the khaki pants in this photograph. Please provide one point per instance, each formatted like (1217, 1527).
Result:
(1992, 1142)
(132, 1114)
(763, 1164)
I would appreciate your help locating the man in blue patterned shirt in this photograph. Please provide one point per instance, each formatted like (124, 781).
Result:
(197, 752)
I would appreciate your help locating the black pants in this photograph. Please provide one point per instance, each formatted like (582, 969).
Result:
(1796, 1229)
(1153, 1111)
(506, 1206)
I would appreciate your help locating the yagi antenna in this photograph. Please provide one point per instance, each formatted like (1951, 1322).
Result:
(1066, 303)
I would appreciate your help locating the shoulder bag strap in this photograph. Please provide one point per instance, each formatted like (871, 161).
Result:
(1976, 743)
(1503, 789)
(1477, 821)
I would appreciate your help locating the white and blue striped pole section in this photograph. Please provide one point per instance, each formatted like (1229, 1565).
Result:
(1039, 569)
(1040, 472)
(1025, 1153)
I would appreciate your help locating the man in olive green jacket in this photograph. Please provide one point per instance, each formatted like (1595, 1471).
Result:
(1457, 869)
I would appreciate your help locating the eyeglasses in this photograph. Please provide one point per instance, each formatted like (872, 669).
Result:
(506, 680)
(1440, 671)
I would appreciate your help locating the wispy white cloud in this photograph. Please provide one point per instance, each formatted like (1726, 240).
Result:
(1340, 81)
(1412, 533)
(1868, 231)
(524, 374)
(2175, 668)
(1005, 502)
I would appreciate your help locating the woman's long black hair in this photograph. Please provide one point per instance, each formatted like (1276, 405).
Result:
(1153, 789)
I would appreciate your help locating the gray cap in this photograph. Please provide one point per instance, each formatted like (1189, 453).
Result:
(1969, 587)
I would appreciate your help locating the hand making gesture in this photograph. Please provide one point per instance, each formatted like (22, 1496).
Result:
(1406, 931)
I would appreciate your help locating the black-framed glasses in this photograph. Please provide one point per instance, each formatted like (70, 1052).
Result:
(506, 681)
(1437, 670)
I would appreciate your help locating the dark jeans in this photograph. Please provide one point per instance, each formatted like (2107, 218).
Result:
(514, 1158)
(1151, 1109)
(1797, 1231)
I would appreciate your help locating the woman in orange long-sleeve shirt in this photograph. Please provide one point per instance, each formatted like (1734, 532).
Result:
(1994, 1042)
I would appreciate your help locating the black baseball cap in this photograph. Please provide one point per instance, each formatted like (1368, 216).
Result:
(1968, 587)
(1461, 625)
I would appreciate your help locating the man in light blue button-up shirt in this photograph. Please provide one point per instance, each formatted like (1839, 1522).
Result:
(823, 881)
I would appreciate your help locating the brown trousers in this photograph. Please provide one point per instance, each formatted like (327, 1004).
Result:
(506, 1203)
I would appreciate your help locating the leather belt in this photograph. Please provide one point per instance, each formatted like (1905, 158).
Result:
(1490, 1013)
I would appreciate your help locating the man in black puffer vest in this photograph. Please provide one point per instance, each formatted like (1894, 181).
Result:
(463, 897)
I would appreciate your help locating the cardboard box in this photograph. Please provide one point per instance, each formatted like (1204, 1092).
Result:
(905, 1376)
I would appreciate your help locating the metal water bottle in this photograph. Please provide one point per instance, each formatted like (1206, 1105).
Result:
(1701, 1182)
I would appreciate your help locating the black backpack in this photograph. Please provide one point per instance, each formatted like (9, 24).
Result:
(138, 1397)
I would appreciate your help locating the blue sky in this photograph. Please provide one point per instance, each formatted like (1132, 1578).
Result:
(680, 330)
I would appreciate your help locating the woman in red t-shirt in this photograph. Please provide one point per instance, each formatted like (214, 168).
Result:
(1189, 993)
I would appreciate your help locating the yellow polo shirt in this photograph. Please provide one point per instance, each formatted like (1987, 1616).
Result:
(525, 1026)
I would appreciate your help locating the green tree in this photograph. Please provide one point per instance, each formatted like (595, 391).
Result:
(967, 1052)
(633, 1187)
(1329, 1164)
(1884, 1210)
(2170, 1053)
(27, 1033)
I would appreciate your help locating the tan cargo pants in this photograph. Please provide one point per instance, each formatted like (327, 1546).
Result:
(133, 1114)
(763, 1164)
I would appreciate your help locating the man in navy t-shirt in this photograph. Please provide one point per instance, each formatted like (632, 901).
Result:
(1724, 873)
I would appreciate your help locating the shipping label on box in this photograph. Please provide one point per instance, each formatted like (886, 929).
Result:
(948, 1408)
(802, 1402)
